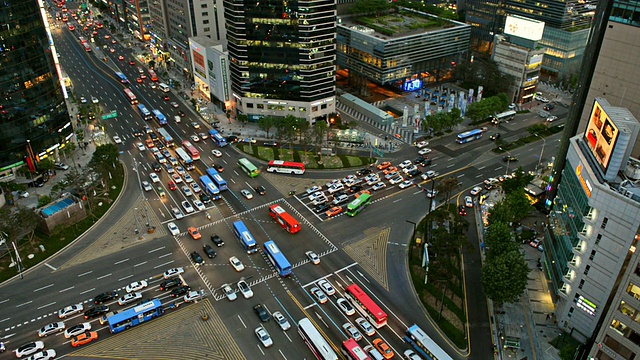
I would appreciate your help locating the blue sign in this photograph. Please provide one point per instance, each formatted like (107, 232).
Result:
(412, 85)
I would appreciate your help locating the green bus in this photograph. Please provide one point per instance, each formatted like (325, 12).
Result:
(248, 167)
(358, 204)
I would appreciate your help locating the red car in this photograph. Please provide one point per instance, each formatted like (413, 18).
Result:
(166, 98)
(113, 41)
(138, 80)
(121, 57)
(132, 63)
(172, 186)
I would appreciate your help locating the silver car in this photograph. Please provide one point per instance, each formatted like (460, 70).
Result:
(281, 320)
(51, 329)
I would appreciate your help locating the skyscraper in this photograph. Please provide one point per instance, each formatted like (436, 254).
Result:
(486, 18)
(32, 106)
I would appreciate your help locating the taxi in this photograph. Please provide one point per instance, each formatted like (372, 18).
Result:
(334, 211)
(84, 339)
(384, 165)
(194, 233)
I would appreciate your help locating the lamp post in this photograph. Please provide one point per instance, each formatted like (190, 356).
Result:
(508, 161)
(544, 142)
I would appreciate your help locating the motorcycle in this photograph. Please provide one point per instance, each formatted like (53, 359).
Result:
(208, 216)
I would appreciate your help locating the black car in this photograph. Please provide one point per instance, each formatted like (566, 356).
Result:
(104, 297)
(205, 198)
(418, 160)
(180, 291)
(548, 107)
(181, 113)
(364, 172)
(154, 137)
(413, 173)
(462, 211)
(495, 136)
(261, 190)
(262, 313)
(196, 258)
(96, 311)
(217, 240)
(168, 284)
(270, 143)
(209, 251)
(159, 145)
(218, 167)
(425, 162)
(138, 132)
(232, 139)
(322, 208)
(156, 167)
(509, 158)
(355, 188)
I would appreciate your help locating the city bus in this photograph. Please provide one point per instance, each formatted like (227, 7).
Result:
(316, 342)
(277, 258)
(123, 79)
(366, 306)
(358, 204)
(131, 96)
(209, 187)
(505, 116)
(87, 48)
(470, 135)
(134, 316)
(248, 168)
(284, 219)
(82, 40)
(245, 237)
(167, 140)
(185, 159)
(218, 138)
(217, 179)
(424, 345)
(191, 150)
(153, 76)
(285, 167)
(353, 351)
(162, 120)
(144, 112)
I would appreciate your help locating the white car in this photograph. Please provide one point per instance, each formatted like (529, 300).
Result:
(320, 200)
(405, 164)
(352, 331)
(410, 354)
(76, 330)
(196, 188)
(199, 205)
(365, 326)
(83, 100)
(429, 175)
(422, 144)
(173, 272)
(263, 336)
(216, 153)
(319, 295)
(177, 213)
(468, 202)
(424, 151)
(552, 118)
(316, 195)
(326, 286)
(141, 146)
(117, 140)
(129, 298)
(313, 190)
(396, 180)
(313, 257)
(340, 199)
(333, 182)
(228, 292)
(379, 186)
(281, 320)
(194, 296)
(335, 188)
(370, 177)
(245, 289)
(391, 175)
(180, 170)
(194, 138)
(187, 207)
(154, 177)
(44, 354)
(51, 329)
(29, 348)
(346, 306)
(195, 125)
(146, 186)
(409, 169)
(405, 184)
(70, 310)
(236, 263)
(136, 286)
(187, 191)
(176, 178)
(247, 194)
(188, 179)
(94, 100)
(173, 229)
(373, 181)
(475, 191)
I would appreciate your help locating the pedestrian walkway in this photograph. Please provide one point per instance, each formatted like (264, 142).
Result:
(400, 134)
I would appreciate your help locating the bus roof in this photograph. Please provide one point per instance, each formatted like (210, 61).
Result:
(470, 133)
(355, 203)
(116, 318)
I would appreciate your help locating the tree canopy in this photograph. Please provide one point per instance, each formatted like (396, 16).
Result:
(484, 73)
(486, 107)
(499, 241)
(376, 7)
(443, 120)
(504, 278)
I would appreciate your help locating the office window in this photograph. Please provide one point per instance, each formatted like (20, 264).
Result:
(604, 223)
(581, 284)
(250, 105)
(598, 238)
(570, 312)
(203, 6)
(586, 269)
(593, 254)
(207, 29)
(205, 21)
(204, 14)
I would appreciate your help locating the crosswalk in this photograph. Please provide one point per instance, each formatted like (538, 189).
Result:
(399, 133)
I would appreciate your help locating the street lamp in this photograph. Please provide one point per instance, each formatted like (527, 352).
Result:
(508, 161)
(544, 142)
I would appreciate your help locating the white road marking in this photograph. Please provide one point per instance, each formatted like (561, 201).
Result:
(44, 306)
(121, 261)
(85, 273)
(160, 248)
(86, 291)
(42, 288)
(69, 288)
(23, 304)
(104, 276)
(51, 267)
(142, 263)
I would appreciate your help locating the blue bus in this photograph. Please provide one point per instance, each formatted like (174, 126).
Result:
(162, 121)
(277, 258)
(470, 135)
(217, 179)
(134, 316)
(218, 138)
(424, 345)
(123, 79)
(245, 237)
(209, 187)
(144, 112)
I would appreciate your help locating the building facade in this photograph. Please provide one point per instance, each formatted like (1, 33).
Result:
(137, 19)
(486, 18)
(282, 57)
(33, 114)
(521, 62)
(211, 70)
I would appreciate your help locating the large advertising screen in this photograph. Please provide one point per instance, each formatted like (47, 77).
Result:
(601, 136)
(524, 27)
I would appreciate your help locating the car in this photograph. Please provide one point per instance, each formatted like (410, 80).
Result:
(216, 153)
(537, 244)
(354, 188)
(313, 257)
(187, 178)
(121, 58)
(475, 191)
(194, 233)
(29, 348)
(334, 211)
(136, 286)
(541, 98)
(129, 298)
(548, 107)
(132, 63)
(313, 190)
(181, 113)
(179, 291)
(326, 286)
(70, 310)
(188, 208)
(170, 169)
(316, 195)
(468, 202)
(405, 184)
(263, 336)
(197, 259)
(384, 165)
(413, 173)
(281, 321)
(94, 100)
(245, 289)
(96, 311)
(430, 193)
(203, 136)
(228, 292)
(84, 338)
(411, 355)
(231, 138)
(166, 98)
(51, 329)
(61, 166)
(395, 180)
(173, 272)
(425, 162)
(180, 170)
(422, 144)
(219, 168)
(361, 192)
(195, 125)
(140, 146)
(205, 198)
(193, 296)
(209, 251)
(217, 240)
(174, 105)
(379, 186)
(262, 313)
(236, 263)
(198, 205)
(494, 137)
(351, 331)
(143, 76)
(270, 144)
(424, 151)
(194, 138)
(146, 186)
(322, 208)
(117, 140)
(104, 297)
(83, 100)
(156, 167)
(320, 200)
(462, 211)
(76, 330)
(365, 326)
(405, 164)
(429, 175)
(71, 27)
(333, 183)
(364, 171)
(169, 283)
(390, 170)
(139, 80)
(345, 306)
(319, 295)
(383, 348)
(172, 185)
(154, 177)
(187, 191)
(247, 194)
(509, 158)
(176, 178)
(340, 199)
(552, 118)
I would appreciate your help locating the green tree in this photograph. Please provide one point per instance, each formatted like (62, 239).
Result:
(499, 240)
(504, 278)
(266, 123)
(320, 129)
(567, 353)
(504, 100)
(375, 7)
(104, 159)
(485, 73)
(519, 204)
(447, 186)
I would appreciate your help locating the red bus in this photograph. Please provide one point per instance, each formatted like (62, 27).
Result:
(352, 350)
(191, 150)
(284, 219)
(285, 167)
(87, 48)
(153, 76)
(131, 96)
(366, 306)
(82, 40)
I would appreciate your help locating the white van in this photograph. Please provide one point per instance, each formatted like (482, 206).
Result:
(177, 118)
(164, 87)
(375, 354)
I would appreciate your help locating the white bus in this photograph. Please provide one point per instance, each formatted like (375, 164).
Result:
(185, 159)
(316, 342)
(505, 116)
(164, 87)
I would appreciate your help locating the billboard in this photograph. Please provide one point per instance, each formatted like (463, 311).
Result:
(525, 28)
(601, 136)
(198, 62)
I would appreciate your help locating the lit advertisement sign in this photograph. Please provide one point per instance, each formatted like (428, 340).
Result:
(585, 305)
(525, 28)
(412, 85)
(198, 62)
(601, 136)
(535, 59)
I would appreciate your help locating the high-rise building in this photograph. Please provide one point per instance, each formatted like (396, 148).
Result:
(486, 18)
(282, 57)
(33, 114)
